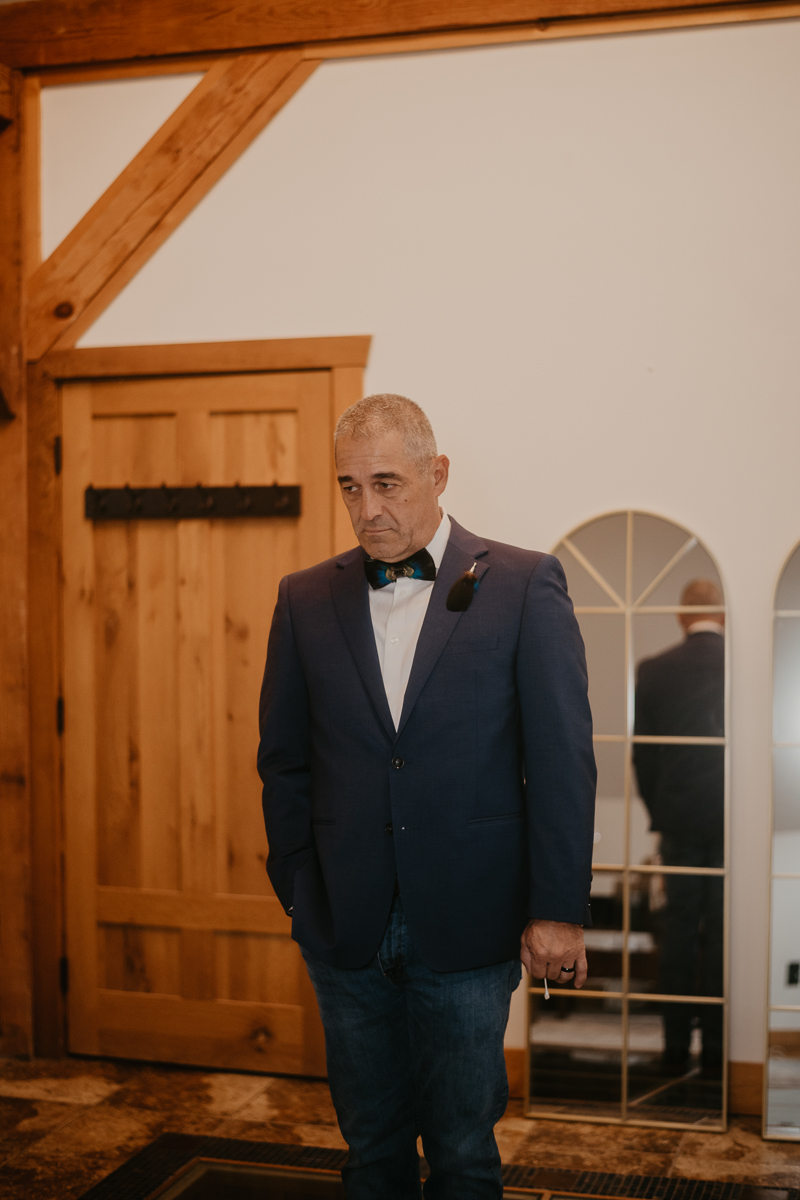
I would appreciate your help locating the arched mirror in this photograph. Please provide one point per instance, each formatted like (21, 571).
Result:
(782, 1083)
(644, 1041)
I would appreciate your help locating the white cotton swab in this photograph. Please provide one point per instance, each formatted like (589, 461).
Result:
(546, 993)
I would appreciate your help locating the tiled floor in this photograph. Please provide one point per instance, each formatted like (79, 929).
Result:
(65, 1124)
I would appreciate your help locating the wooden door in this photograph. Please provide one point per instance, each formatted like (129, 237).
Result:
(178, 949)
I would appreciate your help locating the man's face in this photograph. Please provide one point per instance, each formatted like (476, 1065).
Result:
(392, 504)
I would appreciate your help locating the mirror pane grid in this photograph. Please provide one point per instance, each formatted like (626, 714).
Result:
(682, 1093)
(609, 832)
(787, 597)
(786, 681)
(782, 1114)
(650, 606)
(784, 975)
(576, 1047)
(603, 542)
(782, 1084)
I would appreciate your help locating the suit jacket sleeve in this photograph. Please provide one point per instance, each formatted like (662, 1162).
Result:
(284, 762)
(559, 761)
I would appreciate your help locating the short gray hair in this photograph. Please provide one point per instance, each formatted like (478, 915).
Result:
(384, 413)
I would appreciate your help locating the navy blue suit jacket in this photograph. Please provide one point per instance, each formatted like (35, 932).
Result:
(481, 803)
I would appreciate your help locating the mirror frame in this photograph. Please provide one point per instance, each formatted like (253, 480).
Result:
(773, 875)
(540, 1110)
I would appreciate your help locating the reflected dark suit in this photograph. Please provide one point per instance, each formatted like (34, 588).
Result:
(682, 692)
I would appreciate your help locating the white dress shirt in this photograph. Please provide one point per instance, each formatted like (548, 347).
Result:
(397, 612)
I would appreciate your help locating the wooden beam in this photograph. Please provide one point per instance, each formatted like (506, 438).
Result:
(42, 33)
(140, 68)
(44, 596)
(210, 358)
(559, 28)
(163, 183)
(31, 174)
(15, 959)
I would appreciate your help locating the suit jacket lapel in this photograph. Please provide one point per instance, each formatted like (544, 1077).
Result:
(351, 602)
(463, 549)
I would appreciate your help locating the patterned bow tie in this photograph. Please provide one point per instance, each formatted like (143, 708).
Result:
(416, 566)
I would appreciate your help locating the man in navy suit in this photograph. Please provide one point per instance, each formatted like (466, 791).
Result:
(429, 780)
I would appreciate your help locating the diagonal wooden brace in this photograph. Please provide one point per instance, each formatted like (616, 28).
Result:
(163, 183)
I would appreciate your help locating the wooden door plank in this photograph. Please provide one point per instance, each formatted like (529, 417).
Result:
(257, 442)
(194, 715)
(196, 749)
(116, 719)
(220, 620)
(182, 910)
(157, 573)
(136, 596)
(169, 176)
(78, 31)
(220, 1033)
(80, 751)
(248, 579)
(315, 436)
(256, 447)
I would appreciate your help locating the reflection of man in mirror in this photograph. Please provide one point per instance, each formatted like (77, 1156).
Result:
(681, 692)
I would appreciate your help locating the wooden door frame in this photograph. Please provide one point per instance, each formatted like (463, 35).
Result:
(344, 358)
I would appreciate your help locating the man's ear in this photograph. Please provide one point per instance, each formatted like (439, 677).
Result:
(441, 473)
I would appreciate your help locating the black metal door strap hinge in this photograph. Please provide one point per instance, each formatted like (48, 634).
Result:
(190, 503)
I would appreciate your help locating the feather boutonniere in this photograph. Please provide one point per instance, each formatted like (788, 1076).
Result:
(460, 595)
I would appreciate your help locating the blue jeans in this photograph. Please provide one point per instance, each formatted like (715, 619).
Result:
(413, 1051)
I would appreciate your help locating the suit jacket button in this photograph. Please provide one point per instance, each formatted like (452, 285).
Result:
(397, 763)
(388, 828)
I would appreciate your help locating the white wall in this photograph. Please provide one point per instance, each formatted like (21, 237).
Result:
(89, 134)
(583, 259)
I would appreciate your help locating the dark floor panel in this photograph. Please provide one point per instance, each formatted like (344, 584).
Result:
(230, 1171)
